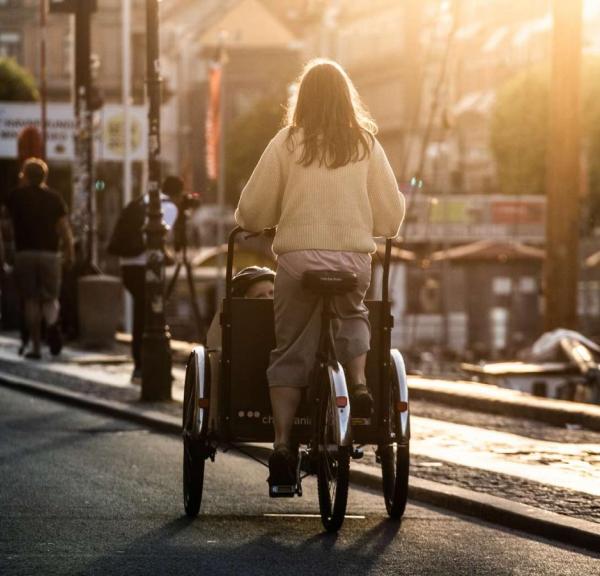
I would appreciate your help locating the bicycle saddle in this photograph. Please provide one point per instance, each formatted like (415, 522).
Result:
(329, 282)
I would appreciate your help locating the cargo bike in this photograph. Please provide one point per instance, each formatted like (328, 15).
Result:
(226, 401)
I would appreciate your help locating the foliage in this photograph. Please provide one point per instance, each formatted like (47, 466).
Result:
(16, 83)
(519, 129)
(519, 132)
(247, 137)
(591, 112)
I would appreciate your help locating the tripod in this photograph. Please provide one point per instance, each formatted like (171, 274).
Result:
(183, 261)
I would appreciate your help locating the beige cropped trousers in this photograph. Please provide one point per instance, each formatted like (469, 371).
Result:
(298, 323)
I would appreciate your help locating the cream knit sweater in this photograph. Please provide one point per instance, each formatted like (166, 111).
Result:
(315, 207)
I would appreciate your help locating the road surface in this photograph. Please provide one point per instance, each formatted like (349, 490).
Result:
(88, 494)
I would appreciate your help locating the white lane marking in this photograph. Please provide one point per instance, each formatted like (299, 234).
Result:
(283, 515)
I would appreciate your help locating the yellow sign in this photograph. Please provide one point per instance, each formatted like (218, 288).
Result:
(114, 137)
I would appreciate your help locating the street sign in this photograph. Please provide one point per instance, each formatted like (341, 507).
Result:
(61, 124)
(70, 6)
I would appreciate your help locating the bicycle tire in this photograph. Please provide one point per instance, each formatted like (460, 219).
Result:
(194, 455)
(333, 470)
(395, 462)
(193, 478)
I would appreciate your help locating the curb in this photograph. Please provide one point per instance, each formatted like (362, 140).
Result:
(150, 418)
(501, 511)
(542, 523)
(542, 410)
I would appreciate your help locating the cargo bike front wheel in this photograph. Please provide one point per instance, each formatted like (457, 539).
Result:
(333, 447)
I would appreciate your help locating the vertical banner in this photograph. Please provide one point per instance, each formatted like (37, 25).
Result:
(213, 120)
(29, 144)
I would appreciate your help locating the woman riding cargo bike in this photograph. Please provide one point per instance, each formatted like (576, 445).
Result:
(325, 184)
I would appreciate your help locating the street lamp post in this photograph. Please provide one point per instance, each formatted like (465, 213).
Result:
(43, 77)
(156, 353)
(84, 205)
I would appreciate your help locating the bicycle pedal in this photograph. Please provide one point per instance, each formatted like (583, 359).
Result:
(283, 490)
(357, 453)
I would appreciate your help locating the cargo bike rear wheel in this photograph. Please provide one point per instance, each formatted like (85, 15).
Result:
(195, 441)
(394, 454)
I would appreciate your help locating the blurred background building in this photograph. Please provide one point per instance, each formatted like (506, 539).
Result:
(457, 88)
(20, 34)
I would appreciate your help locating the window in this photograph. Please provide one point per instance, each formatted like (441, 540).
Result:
(499, 328)
(502, 286)
(527, 285)
(588, 302)
(10, 44)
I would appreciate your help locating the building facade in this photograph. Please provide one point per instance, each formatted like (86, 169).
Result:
(261, 57)
(20, 38)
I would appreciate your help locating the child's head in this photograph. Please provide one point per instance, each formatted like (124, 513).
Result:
(337, 127)
(253, 282)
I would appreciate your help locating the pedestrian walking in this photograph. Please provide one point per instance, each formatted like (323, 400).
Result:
(128, 242)
(40, 226)
(325, 182)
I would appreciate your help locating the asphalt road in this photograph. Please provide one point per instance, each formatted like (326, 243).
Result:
(87, 494)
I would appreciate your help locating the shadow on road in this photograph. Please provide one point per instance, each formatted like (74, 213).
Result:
(219, 545)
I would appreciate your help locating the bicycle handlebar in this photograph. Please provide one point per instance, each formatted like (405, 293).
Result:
(238, 230)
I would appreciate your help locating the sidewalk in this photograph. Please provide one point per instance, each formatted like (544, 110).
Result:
(555, 470)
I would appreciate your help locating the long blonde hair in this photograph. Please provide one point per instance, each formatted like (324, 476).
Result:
(337, 128)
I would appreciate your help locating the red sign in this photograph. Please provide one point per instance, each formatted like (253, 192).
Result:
(213, 121)
(29, 144)
(516, 212)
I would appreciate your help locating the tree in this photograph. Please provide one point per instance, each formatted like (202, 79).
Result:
(247, 138)
(591, 114)
(519, 131)
(16, 83)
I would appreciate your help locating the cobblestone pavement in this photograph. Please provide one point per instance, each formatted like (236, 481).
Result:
(570, 466)
(111, 382)
(529, 492)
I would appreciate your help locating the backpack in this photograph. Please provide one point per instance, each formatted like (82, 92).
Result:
(127, 240)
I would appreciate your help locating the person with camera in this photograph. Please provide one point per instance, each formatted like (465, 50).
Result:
(128, 242)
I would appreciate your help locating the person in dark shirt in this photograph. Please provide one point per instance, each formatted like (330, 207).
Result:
(41, 225)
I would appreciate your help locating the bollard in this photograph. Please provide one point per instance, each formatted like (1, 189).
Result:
(100, 306)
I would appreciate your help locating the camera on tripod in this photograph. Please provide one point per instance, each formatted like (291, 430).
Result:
(190, 201)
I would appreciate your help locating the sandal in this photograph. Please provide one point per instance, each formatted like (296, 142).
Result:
(282, 472)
